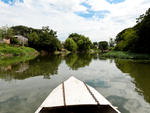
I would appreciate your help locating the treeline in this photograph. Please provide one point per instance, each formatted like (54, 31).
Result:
(81, 43)
(137, 38)
(46, 39)
(39, 39)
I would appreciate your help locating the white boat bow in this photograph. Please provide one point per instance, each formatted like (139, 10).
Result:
(74, 92)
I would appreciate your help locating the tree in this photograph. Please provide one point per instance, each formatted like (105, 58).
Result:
(33, 40)
(6, 32)
(111, 42)
(23, 30)
(103, 45)
(95, 45)
(83, 43)
(40, 39)
(48, 40)
(143, 31)
(135, 39)
(129, 40)
(119, 36)
(70, 44)
(1, 32)
(14, 41)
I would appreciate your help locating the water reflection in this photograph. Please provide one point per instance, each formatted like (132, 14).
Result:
(140, 71)
(76, 61)
(45, 66)
(122, 101)
(125, 83)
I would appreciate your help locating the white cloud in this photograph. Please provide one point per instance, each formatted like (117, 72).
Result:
(60, 16)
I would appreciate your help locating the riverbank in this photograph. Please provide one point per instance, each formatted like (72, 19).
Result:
(13, 54)
(126, 55)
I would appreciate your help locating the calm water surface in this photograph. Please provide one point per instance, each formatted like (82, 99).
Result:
(125, 83)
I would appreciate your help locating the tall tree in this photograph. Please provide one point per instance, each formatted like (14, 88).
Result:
(103, 45)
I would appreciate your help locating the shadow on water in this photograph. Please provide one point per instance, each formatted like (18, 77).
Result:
(140, 71)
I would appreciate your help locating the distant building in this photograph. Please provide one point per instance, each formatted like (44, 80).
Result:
(5, 41)
(21, 39)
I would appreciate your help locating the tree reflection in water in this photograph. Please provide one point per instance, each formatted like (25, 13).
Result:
(139, 70)
(45, 66)
(76, 61)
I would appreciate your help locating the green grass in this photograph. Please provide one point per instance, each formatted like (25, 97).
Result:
(125, 55)
(11, 54)
(9, 50)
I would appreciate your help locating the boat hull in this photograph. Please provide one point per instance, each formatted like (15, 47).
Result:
(74, 96)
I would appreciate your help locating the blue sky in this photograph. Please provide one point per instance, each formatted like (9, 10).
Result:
(110, 1)
(89, 13)
(10, 1)
(97, 19)
(92, 14)
(115, 1)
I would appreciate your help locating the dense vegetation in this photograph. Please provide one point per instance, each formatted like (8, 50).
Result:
(136, 39)
(81, 43)
(40, 39)
(103, 45)
(46, 39)
(70, 45)
(78, 42)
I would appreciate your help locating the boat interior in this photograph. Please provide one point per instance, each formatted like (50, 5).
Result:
(79, 109)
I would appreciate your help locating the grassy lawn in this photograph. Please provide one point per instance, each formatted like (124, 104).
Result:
(9, 50)
(126, 55)
(11, 54)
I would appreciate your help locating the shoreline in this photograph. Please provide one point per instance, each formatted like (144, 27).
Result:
(126, 55)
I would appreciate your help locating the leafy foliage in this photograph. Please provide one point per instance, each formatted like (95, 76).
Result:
(70, 45)
(14, 41)
(136, 39)
(129, 37)
(40, 39)
(103, 45)
(83, 43)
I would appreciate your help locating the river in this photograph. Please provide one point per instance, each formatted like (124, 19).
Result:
(25, 85)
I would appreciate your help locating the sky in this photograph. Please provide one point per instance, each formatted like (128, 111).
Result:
(97, 19)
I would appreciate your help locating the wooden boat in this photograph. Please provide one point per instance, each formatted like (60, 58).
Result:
(74, 96)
